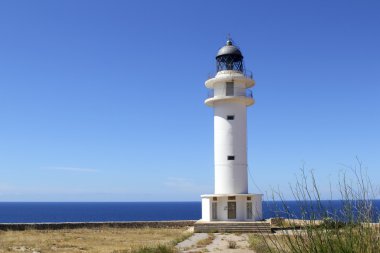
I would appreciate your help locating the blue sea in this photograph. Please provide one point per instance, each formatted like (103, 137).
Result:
(22, 212)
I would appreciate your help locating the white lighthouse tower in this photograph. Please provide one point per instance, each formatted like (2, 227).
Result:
(230, 96)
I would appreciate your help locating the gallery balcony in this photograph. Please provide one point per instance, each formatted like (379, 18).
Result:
(244, 97)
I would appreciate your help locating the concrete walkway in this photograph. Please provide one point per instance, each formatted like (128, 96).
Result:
(220, 243)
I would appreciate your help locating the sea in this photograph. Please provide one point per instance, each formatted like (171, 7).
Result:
(35, 212)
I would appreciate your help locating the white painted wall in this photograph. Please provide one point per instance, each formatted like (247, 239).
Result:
(220, 88)
(257, 207)
(241, 207)
(230, 138)
(206, 209)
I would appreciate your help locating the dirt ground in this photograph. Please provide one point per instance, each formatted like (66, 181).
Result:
(101, 240)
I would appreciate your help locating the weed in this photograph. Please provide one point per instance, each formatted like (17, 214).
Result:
(258, 244)
(232, 245)
(206, 241)
(321, 230)
(161, 248)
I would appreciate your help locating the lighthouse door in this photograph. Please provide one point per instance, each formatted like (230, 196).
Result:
(214, 210)
(231, 210)
(229, 89)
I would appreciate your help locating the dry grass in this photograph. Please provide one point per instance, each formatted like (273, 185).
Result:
(258, 243)
(87, 240)
(206, 241)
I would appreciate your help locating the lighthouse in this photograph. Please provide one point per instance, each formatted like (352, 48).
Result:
(230, 96)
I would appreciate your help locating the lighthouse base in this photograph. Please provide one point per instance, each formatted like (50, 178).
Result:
(231, 207)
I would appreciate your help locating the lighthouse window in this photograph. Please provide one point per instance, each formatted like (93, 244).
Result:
(230, 117)
(231, 157)
(229, 89)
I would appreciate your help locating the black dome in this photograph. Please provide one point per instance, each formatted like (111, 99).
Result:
(229, 49)
(229, 57)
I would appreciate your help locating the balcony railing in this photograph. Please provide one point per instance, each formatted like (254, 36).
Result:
(245, 93)
(246, 73)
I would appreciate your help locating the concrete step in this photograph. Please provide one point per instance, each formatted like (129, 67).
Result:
(251, 224)
(246, 227)
(234, 228)
(225, 227)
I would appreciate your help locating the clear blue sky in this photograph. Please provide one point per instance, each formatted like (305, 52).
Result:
(103, 100)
